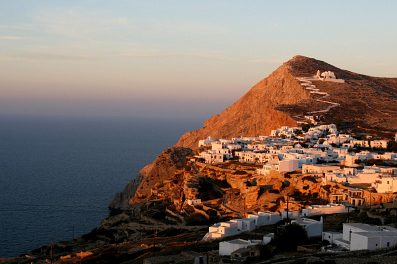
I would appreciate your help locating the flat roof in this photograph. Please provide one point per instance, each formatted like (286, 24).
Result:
(238, 241)
(362, 226)
(377, 234)
(305, 221)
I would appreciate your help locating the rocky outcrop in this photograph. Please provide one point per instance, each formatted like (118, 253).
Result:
(120, 201)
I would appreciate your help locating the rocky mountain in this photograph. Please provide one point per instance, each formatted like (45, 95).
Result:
(360, 104)
(365, 102)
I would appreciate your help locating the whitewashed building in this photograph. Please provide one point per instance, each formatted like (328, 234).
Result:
(324, 209)
(313, 227)
(358, 236)
(286, 165)
(331, 236)
(220, 230)
(245, 224)
(385, 184)
(265, 218)
(205, 142)
(226, 248)
(373, 240)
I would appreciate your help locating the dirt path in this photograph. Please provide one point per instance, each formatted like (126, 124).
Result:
(307, 83)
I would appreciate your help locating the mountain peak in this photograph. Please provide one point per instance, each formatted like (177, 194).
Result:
(300, 66)
(299, 58)
(280, 99)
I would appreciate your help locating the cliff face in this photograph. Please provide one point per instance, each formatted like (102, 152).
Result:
(162, 170)
(366, 104)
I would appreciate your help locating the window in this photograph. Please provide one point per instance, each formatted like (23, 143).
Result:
(388, 244)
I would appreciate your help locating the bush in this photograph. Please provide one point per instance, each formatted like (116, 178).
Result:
(290, 237)
(285, 184)
(310, 178)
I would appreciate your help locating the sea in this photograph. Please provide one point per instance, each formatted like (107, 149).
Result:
(58, 175)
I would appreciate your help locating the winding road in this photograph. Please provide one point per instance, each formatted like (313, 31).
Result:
(307, 83)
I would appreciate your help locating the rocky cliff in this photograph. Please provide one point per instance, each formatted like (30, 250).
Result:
(364, 103)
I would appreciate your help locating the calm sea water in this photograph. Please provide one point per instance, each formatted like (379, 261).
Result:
(57, 176)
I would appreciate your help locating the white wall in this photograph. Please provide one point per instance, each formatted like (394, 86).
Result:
(331, 236)
(358, 242)
(226, 248)
(288, 165)
(314, 230)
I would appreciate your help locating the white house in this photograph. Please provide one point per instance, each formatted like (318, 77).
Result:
(319, 168)
(220, 230)
(385, 184)
(286, 165)
(328, 76)
(324, 209)
(265, 218)
(290, 214)
(358, 236)
(373, 240)
(226, 248)
(313, 227)
(205, 142)
(332, 236)
(379, 143)
(245, 224)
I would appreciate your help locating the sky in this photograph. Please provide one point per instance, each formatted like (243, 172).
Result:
(187, 59)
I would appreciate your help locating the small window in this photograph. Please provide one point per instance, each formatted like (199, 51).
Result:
(376, 245)
(388, 244)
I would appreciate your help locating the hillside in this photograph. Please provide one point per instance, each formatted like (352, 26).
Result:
(362, 104)
(279, 98)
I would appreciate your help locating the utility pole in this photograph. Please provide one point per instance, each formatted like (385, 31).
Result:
(370, 198)
(287, 207)
(245, 213)
(348, 213)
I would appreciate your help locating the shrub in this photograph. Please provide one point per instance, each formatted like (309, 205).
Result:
(310, 178)
(285, 184)
(290, 237)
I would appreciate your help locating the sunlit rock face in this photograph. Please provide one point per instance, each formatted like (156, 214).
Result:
(362, 104)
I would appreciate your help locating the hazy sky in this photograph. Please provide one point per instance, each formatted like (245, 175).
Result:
(183, 58)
